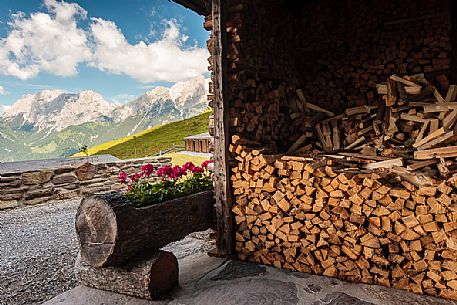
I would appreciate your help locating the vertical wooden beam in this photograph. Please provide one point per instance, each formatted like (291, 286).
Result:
(225, 234)
(453, 42)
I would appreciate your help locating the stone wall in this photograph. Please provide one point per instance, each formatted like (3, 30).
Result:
(46, 185)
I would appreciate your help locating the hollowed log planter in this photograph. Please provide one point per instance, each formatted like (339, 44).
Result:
(112, 230)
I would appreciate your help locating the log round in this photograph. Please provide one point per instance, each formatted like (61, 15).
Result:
(112, 230)
(141, 277)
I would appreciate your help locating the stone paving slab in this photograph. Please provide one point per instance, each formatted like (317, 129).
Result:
(206, 280)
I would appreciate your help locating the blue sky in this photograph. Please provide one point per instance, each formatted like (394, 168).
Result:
(118, 48)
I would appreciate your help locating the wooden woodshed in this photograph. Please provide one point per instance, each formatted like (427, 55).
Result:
(334, 137)
(198, 143)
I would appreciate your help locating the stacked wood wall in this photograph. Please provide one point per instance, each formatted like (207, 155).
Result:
(336, 52)
(304, 216)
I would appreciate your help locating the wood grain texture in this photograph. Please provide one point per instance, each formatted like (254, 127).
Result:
(225, 237)
(111, 230)
(142, 277)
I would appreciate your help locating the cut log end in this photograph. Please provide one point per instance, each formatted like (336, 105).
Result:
(97, 230)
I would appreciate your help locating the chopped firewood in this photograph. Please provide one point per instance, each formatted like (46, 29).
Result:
(385, 164)
(404, 81)
(442, 152)
(355, 143)
(437, 133)
(450, 119)
(312, 106)
(420, 164)
(451, 94)
(436, 141)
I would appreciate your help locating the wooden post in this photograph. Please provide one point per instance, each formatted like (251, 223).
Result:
(454, 42)
(225, 234)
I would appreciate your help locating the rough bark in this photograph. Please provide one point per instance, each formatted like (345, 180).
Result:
(145, 278)
(112, 230)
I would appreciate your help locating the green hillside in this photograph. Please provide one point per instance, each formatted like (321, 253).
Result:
(152, 141)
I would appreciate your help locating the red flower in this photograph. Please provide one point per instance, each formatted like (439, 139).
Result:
(147, 169)
(188, 166)
(198, 170)
(122, 177)
(178, 172)
(205, 163)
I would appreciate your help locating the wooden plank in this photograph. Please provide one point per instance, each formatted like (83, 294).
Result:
(438, 96)
(442, 152)
(404, 81)
(362, 156)
(436, 141)
(355, 143)
(225, 229)
(335, 135)
(297, 143)
(420, 136)
(311, 106)
(414, 118)
(450, 120)
(439, 107)
(421, 164)
(385, 164)
(431, 136)
(451, 94)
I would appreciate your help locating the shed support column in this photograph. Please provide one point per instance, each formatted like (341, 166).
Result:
(225, 234)
(453, 42)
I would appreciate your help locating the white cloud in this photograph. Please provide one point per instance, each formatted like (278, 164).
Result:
(53, 42)
(163, 60)
(123, 98)
(3, 91)
(45, 42)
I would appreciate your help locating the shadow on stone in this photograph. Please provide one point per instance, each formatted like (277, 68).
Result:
(256, 291)
(235, 269)
(339, 298)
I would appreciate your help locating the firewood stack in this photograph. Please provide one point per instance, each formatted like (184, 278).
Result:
(305, 215)
(414, 127)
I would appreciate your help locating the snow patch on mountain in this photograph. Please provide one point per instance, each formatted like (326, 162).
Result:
(57, 110)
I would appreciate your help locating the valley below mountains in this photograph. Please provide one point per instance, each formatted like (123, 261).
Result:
(52, 123)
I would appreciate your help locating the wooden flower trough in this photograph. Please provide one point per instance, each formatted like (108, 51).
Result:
(119, 243)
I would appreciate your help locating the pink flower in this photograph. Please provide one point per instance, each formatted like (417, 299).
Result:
(122, 177)
(165, 172)
(198, 170)
(178, 172)
(135, 177)
(188, 166)
(147, 169)
(205, 163)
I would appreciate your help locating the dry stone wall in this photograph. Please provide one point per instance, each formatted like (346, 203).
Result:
(47, 185)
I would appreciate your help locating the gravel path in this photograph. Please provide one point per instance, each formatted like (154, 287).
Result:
(37, 251)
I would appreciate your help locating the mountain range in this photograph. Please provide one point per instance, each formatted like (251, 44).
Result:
(53, 123)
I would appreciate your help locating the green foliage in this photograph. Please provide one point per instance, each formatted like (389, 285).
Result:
(177, 181)
(83, 149)
(154, 140)
(144, 193)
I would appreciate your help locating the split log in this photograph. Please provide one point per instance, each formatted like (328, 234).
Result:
(142, 277)
(111, 229)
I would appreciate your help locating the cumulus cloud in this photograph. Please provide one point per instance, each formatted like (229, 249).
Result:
(53, 42)
(45, 42)
(3, 91)
(163, 60)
